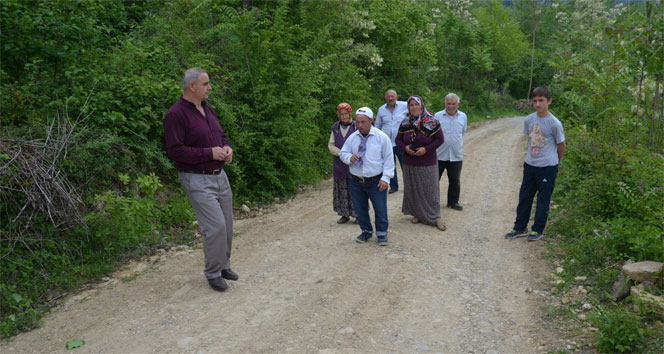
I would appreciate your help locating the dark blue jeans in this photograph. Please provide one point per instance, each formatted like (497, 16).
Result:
(540, 180)
(361, 193)
(454, 176)
(398, 154)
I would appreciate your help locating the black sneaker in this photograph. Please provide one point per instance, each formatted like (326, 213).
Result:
(534, 236)
(382, 240)
(363, 237)
(516, 233)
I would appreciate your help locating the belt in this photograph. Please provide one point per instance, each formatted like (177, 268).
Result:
(366, 179)
(205, 172)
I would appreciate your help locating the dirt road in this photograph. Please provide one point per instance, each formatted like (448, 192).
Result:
(307, 287)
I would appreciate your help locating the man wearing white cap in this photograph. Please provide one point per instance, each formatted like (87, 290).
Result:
(368, 152)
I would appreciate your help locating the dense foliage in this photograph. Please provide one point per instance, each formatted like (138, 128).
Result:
(609, 85)
(98, 76)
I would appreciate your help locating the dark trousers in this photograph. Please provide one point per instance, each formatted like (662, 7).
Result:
(398, 153)
(454, 176)
(361, 193)
(540, 180)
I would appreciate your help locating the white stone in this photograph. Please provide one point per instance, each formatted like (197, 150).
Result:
(347, 330)
(245, 208)
(559, 270)
(642, 271)
(580, 278)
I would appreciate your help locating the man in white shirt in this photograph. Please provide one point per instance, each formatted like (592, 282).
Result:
(368, 152)
(450, 155)
(388, 120)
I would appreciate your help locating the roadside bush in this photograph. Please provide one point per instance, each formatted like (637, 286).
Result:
(22, 316)
(606, 92)
(620, 331)
(613, 190)
(124, 224)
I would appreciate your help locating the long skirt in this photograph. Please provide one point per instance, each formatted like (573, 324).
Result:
(421, 196)
(341, 202)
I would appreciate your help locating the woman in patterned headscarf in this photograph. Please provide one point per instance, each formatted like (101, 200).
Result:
(341, 129)
(419, 135)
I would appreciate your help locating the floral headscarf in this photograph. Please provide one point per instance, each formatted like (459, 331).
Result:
(425, 122)
(346, 106)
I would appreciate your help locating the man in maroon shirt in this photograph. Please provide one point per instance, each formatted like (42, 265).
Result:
(198, 146)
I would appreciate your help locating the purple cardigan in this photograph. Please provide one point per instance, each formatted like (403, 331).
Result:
(340, 170)
(430, 143)
(190, 136)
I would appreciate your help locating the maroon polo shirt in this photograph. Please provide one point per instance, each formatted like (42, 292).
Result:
(190, 136)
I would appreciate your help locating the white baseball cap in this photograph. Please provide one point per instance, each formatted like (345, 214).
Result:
(365, 111)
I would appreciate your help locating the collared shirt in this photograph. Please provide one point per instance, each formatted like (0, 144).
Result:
(377, 159)
(544, 135)
(388, 121)
(190, 136)
(454, 127)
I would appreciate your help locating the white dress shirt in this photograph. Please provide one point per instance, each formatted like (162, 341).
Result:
(454, 127)
(388, 121)
(377, 159)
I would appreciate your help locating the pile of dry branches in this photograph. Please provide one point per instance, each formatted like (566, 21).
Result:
(33, 188)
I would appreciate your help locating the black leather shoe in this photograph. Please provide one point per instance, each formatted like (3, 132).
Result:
(393, 190)
(218, 284)
(455, 206)
(229, 274)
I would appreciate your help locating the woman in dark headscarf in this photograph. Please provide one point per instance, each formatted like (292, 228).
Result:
(341, 129)
(419, 135)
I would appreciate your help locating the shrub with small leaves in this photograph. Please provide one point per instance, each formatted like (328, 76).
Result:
(620, 331)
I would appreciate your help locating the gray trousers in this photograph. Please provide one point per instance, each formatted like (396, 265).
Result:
(212, 200)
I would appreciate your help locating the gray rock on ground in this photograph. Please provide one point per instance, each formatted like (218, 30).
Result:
(620, 288)
(644, 298)
(643, 271)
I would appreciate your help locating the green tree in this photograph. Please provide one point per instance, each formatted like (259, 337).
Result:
(507, 45)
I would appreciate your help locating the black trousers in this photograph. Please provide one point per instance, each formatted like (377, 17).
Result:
(540, 181)
(454, 175)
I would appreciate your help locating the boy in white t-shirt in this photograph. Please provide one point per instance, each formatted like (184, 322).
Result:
(546, 147)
